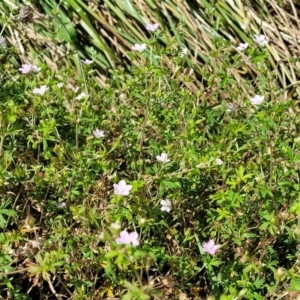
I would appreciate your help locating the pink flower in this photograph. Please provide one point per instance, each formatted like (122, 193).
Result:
(98, 133)
(122, 189)
(257, 100)
(242, 47)
(41, 90)
(26, 68)
(127, 238)
(152, 27)
(210, 247)
(260, 39)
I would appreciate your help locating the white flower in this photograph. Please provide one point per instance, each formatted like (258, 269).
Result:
(98, 133)
(81, 96)
(184, 51)
(257, 100)
(41, 90)
(35, 68)
(86, 61)
(152, 27)
(166, 205)
(242, 47)
(219, 161)
(163, 158)
(260, 39)
(60, 84)
(139, 47)
(122, 188)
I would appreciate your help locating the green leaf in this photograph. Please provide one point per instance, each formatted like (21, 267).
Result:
(295, 208)
(295, 285)
(171, 185)
(112, 254)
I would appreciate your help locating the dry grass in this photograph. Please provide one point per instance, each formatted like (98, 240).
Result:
(112, 27)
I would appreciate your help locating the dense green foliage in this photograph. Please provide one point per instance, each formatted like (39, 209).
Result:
(232, 177)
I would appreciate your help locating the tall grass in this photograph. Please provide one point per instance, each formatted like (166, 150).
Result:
(105, 33)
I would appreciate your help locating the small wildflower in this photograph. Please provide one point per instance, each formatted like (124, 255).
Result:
(81, 96)
(257, 100)
(163, 158)
(60, 84)
(242, 47)
(127, 238)
(35, 68)
(98, 133)
(152, 27)
(26, 68)
(184, 51)
(3, 42)
(122, 188)
(260, 39)
(41, 90)
(86, 61)
(219, 161)
(210, 247)
(166, 205)
(139, 47)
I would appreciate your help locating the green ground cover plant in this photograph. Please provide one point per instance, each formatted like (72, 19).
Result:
(141, 189)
